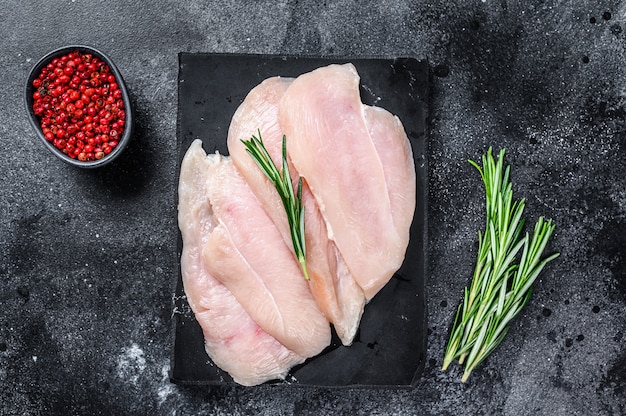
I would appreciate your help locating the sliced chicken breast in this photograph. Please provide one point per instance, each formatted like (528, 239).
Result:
(396, 157)
(332, 147)
(233, 340)
(332, 285)
(248, 255)
(259, 315)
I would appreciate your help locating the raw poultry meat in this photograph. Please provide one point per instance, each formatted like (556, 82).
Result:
(259, 112)
(358, 184)
(233, 340)
(396, 158)
(331, 284)
(248, 255)
(260, 317)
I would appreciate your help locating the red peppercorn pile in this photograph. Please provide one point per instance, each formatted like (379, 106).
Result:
(80, 107)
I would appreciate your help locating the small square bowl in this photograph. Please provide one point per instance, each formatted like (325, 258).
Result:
(35, 120)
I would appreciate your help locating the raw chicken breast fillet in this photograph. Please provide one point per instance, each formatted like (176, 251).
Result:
(356, 161)
(233, 340)
(248, 255)
(259, 315)
(333, 287)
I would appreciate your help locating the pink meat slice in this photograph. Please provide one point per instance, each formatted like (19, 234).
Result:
(233, 340)
(396, 157)
(333, 149)
(333, 287)
(332, 284)
(259, 112)
(249, 256)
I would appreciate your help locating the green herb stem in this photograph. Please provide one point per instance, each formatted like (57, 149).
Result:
(503, 279)
(292, 201)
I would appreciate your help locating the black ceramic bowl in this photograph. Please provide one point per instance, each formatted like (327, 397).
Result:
(35, 122)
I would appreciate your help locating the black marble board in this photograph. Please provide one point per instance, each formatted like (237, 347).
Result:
(390, 346)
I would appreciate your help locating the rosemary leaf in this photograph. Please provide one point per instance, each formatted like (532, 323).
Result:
(292, 202)
(503, 279)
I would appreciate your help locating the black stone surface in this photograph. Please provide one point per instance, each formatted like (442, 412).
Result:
(87, 258)
(389, 348)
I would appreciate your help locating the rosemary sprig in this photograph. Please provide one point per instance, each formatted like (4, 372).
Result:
(292, 202)
(501, 285)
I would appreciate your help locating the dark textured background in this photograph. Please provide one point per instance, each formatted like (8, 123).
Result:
(87, 259)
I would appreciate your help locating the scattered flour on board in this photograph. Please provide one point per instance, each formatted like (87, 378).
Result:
(131, 363)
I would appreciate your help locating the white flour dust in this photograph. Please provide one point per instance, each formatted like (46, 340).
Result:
(131, 363)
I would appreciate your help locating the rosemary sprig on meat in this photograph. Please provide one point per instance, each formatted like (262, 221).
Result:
(501, 284)
(292, 201)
